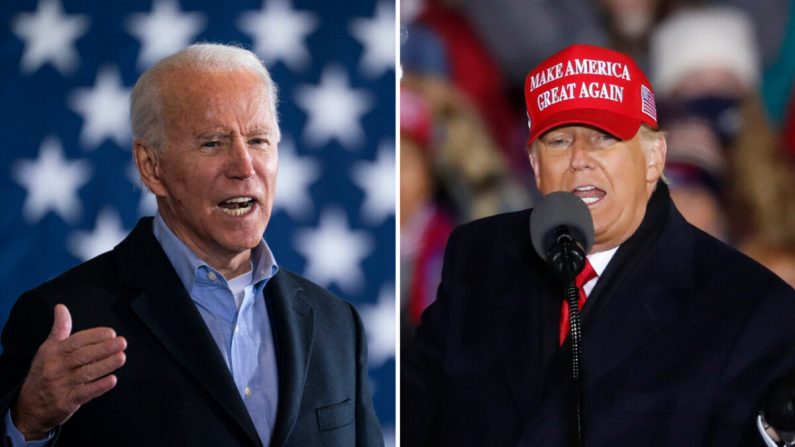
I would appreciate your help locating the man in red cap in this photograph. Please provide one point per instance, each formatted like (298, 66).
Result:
(682, 335)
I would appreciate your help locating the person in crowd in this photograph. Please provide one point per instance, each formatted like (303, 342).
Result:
(425, 218)
(695, 169)
(706, 60)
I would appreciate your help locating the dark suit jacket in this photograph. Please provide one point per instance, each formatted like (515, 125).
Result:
(682, 337)
(175, 388)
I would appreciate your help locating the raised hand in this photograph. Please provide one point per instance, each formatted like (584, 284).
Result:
(67, 371)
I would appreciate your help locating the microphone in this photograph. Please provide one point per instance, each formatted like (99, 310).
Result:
(561, 223)
(561, 229)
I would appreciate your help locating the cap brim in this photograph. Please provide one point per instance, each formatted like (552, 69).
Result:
(616, 124)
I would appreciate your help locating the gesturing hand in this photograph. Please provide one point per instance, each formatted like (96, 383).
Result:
(67, 371)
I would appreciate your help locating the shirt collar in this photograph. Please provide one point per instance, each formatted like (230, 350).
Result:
(186, 263)
(600, 260)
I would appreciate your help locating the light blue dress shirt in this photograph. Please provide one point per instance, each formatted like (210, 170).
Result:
(243, 335)
(241, 331)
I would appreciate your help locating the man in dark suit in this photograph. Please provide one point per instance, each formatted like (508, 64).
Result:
(682, 335)
(188, 333)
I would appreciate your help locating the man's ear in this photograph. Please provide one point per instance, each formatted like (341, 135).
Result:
(655, 159)
(148, 162)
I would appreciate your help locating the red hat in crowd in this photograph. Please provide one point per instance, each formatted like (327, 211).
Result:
(590, 85)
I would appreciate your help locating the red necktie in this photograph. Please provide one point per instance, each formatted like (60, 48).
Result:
(587, 274)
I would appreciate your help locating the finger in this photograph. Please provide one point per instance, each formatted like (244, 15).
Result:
(61, 324)
(92, 390)
(94, 352)
(87, 337)
(93, 371)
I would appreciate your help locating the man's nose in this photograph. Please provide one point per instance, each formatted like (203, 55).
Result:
(240, 163)
(580, 155)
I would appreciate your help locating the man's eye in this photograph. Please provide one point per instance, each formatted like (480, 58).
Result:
(258, 141)
(557, 142)
(606, 138)
(211, 144)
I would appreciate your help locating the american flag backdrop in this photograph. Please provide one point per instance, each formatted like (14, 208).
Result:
(70, 191)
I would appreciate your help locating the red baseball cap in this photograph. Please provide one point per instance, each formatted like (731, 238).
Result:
(590, 85)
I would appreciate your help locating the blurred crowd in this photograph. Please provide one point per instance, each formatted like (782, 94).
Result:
(723, 74)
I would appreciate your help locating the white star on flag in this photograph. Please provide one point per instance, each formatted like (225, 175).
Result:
(51, 182)
(105, 110)
(377, 180)
(334, 109)
(377, 35)
(164, 31)
(49, 37)
(107, 232)
(379, 320)
(296, 174)
(279, 32)
(334, 252)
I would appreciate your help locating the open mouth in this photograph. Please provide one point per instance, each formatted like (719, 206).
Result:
(589, 194)
(237, 206)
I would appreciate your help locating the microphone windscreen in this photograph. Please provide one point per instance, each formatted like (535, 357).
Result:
(556, 209)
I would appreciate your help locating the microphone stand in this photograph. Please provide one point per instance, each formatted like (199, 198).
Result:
(570, 260)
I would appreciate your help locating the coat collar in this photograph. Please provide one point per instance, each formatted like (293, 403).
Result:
(636, 295)
(640, 290)
(167, 310)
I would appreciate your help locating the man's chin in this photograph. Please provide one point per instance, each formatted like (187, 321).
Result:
(244, 236)
(244, 241)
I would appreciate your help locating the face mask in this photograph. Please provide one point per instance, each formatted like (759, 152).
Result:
(721, 112)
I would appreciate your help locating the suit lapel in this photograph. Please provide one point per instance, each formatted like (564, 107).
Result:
(293, 322)
(639, 301)
(167, 310)
(637, 314)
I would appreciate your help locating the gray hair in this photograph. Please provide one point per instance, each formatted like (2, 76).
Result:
(649, 138)
(146, 101)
